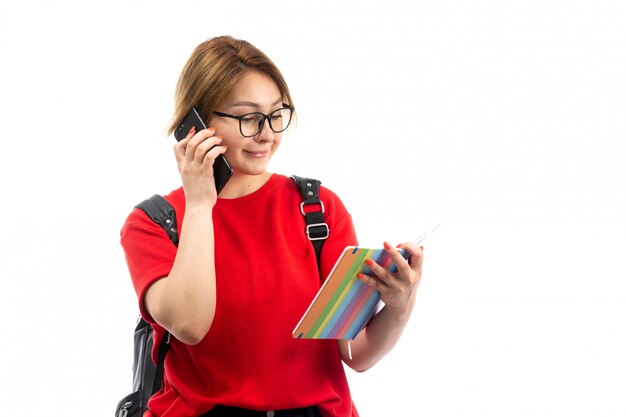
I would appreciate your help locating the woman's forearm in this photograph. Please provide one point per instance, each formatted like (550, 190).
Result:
(377, 339)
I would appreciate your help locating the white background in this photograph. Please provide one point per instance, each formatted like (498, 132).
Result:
(502, 120)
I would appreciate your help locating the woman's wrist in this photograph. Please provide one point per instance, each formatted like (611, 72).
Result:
(400, 313)
(199, 206)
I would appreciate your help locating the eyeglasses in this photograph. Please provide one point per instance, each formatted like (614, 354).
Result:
(250, 124)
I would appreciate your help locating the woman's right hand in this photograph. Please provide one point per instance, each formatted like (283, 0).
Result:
(195, 156)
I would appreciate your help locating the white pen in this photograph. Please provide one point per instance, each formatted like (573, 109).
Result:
(423, 237)
(419, 240)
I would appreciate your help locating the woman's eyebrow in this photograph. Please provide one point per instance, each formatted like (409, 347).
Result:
(252, 104)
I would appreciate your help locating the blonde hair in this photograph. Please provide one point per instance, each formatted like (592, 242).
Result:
(211, 72)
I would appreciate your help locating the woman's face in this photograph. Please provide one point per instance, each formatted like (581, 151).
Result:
(255, 92)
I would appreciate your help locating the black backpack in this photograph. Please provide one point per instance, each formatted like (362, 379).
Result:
(148, 376)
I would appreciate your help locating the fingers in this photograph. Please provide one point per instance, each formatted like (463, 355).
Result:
(403, 270)
(381, 274)
(215, 150)
(198, 147)
(180, 147)
(199, 144)
(400, 261)
(372, 281)
(397, 284)
(416, 252)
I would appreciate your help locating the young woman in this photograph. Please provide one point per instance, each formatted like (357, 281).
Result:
(244, 271)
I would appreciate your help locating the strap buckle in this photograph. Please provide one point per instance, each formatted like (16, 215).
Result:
(318, 234)
(321, 203)
(315, 231)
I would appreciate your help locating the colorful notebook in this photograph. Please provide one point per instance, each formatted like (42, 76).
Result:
(344, 304)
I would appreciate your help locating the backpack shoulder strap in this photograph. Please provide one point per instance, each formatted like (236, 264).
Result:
(312, 208)
(162, 213)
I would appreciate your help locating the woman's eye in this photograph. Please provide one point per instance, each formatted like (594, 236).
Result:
(248, 120)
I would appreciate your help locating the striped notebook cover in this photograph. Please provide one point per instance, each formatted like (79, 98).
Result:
(343, 306)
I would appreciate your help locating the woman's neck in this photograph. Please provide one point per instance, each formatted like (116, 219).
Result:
(240, 185)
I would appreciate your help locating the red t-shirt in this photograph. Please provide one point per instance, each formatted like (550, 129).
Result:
(266, 278)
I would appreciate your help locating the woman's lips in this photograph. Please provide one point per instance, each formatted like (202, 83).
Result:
(257, 154)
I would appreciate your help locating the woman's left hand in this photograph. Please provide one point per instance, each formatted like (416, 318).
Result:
(397, 289)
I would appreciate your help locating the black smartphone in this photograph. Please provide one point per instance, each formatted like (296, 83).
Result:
(221, 168)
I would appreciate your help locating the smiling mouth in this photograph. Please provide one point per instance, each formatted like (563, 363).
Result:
(257, 154)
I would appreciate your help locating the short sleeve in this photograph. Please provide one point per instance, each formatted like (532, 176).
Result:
(149, 254)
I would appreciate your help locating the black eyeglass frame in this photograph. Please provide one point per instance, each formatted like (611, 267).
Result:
(262, 121)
